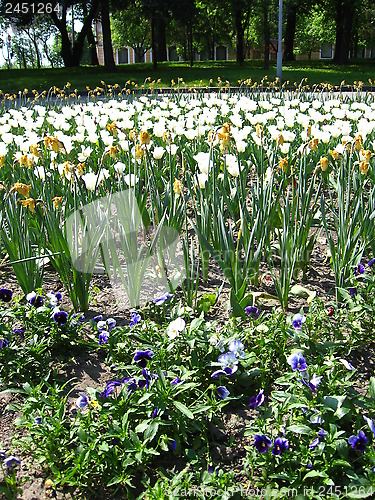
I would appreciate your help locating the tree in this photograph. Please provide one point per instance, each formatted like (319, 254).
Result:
(72, 54)
(345, 12)
(129, 29)
(157, 11)
(184, 12)
(109, 61)
(314, 30)
(290, 30)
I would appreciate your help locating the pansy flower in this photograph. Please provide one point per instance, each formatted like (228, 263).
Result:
(298, 320)
(222, 392)
(60, 317)
(262, 443)
(256, 401)
(5, 294)
(297, 362)
(252, 311)
(359, 442)
(280, 445)
(34, 299)
(229, 363)
(141, 357)
(237, 348)
(160, 300)
(135, 318)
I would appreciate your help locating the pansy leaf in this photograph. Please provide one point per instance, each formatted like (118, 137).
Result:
(151, 431)
(183, 409)
(299, 429)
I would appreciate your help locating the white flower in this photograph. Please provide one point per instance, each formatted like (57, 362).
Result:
(90, 180)
(202, 179)
(203, 160)
(131, 179)
(84, 154)
(241, 146)
(40, 172)
(232, 165)
(267, 176)
(119, 167)
(158, 153)
(174, 148)
(175, 327)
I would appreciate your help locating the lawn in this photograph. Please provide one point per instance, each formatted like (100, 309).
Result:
(315, 72)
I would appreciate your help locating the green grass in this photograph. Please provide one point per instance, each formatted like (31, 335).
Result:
(315, 71)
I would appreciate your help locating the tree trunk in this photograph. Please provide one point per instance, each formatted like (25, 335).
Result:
(109, 61)
(72, 56)
(161, 42)
(240, 36)
(290, 32)
(153, 44)
(267, 36)
(92, 45)
(344, 21)
(190, 38)
(38, 63)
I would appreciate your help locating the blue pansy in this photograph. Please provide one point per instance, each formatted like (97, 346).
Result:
(5, 294)
(262, 443)
(237, 348)
(60, 317)
(297, 362)
(314, 444)
(83, 401)
(222, 392)
(34, 299)
(298, 320)
(252, 311)
(280, 445)
(103, 337)
(229, 362)
(135, 318)
(160, 300)
(256, 401)
(141, 357)
(359, 442)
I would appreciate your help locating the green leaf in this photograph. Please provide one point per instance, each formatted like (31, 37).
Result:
(196, 323)
(151, 431)
(142, 426)
(183, 409)
(82, 434)
(115, 480)
(299, 429)
(371, 388)
(315, 473)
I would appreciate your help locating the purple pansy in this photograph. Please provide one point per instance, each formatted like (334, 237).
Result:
(359, 442)
(141, 357)
(298, 320)
(252, 311)
(262, 443)
(297, 362)
(256, 401)
(280, 445)
(5, 294)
